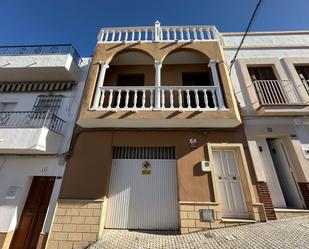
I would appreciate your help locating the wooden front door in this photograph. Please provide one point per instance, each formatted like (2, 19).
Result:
(27, 234)
(231, 194)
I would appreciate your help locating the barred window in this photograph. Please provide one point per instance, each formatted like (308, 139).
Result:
(49, 103)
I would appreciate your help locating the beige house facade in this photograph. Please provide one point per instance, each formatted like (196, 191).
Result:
(159, 142)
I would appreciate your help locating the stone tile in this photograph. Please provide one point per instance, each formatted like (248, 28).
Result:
(60, 236)
(92, 220)
(89, 237)
(72, 212)
(75, 236)
(78, 220)
(83, 228)
(86, 212)
(69, 228)
(65, 245)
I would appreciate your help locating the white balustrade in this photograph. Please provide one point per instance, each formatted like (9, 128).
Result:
(276, 92)
(158, 33)
(181, 98)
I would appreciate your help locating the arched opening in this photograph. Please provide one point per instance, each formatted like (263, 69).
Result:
(187, 80)
(127, 80)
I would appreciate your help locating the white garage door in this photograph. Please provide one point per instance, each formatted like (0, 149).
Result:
(141, 197)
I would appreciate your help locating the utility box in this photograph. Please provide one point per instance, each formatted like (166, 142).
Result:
(206, 215)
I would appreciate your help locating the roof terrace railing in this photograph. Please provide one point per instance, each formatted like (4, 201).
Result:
(41, 50)
(158, 33)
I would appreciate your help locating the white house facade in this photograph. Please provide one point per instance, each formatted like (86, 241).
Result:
(40, 93)
(270, 79)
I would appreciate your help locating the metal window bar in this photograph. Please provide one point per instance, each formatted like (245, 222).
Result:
(144, 153)
(50, 103)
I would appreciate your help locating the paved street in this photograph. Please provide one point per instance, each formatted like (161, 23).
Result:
(288, 233)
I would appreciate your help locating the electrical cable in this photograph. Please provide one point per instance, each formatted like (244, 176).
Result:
(245, 34)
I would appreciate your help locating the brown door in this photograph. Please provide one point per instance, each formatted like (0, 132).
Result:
(31, 221)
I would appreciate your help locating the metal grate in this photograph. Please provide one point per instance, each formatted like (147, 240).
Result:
(46, 103)
(144, 153)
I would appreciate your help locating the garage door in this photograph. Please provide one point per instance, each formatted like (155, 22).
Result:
(143, 189)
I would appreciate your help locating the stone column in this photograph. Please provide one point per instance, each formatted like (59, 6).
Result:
(214, 72)
(97, 94)
(157, 97)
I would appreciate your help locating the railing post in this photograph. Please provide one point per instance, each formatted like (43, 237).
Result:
(97, 94)
(158, 65)
(157, 32)
(214, 72)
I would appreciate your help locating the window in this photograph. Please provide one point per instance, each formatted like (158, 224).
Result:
(198, 79)
(303, 73)
(128, 80)
(262, 73)
(269, 90)
(45, 103)
(6, 111)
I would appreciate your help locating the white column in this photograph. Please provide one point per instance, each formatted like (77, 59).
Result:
(97, 94)
(157, 32)
(213, 67)
(158, 65)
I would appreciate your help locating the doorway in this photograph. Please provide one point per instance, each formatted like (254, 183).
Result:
(28, 231)
(231, 193)
(284, 174)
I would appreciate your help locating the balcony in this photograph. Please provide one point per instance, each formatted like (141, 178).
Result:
(159, 77)
(280, 97)
(158, 33)
(174, 98)
(39, 63)
(30, 132)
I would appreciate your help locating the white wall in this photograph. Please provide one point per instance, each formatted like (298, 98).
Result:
(278, 47)
(18, 171)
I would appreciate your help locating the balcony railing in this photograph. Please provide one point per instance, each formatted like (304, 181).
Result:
(276, 92)
(31, 120)
(41, 50)
(158, 33)
(181, 98)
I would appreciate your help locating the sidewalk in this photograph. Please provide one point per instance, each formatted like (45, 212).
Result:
(287, 233)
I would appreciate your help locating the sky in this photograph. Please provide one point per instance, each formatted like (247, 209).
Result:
(25, 22)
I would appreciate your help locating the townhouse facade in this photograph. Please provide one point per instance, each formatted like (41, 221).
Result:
(159, 142)
(40, 93)
(270, 80)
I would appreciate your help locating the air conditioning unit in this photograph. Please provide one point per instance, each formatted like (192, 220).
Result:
(205, 166)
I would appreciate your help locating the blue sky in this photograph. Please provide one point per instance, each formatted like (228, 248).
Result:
(78, 21)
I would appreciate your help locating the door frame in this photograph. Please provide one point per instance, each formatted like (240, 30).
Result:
(243, 170)
(36, 212)
(291, 167)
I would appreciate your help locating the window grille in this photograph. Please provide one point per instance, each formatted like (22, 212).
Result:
(45, 103)
(144, 153)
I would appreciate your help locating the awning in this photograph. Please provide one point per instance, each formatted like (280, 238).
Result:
(45, 86)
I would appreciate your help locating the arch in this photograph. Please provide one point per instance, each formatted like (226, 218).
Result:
(204, 58)
(145, 54)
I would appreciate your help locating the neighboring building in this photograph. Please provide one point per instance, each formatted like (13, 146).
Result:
(40, 93)
(271, 79)
(159, 142)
